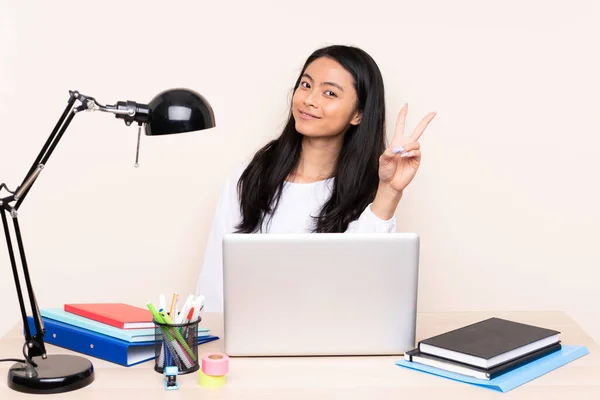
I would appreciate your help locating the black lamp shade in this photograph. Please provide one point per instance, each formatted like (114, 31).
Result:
(178, 111)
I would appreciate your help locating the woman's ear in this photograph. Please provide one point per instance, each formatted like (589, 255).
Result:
(356, 118)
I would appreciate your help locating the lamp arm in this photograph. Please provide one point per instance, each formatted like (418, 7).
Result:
(130, 112)
(34, 344)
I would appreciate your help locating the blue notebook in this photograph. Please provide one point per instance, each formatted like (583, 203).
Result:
(129, 335)
(100, 346)
(514, 378)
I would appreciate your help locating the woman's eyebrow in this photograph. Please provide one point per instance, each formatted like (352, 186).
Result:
(334, 84)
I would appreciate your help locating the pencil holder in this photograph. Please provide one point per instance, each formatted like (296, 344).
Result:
(176, 345)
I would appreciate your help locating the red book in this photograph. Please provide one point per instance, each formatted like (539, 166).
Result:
(120, 315)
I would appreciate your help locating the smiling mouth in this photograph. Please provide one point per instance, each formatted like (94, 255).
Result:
(307, 115)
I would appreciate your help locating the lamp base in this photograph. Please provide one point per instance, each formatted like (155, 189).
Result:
(58, 373)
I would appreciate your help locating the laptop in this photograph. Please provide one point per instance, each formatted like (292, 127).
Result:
(320, 294)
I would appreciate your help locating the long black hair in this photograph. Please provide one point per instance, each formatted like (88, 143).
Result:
(356, 172)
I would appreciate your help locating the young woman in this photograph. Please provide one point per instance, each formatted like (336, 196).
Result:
(328, 171)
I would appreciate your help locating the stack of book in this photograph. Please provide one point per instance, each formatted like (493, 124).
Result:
(495, 353)
(115, 332)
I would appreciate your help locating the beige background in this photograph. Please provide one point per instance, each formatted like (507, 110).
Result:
(506, 202)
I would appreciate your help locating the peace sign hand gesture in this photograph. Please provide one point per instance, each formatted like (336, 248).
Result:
(399, 163)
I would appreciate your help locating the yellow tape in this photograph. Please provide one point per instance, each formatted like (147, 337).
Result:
(208, 381)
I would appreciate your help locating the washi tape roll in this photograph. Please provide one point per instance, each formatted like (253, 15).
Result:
(210, 382)
(215, 364)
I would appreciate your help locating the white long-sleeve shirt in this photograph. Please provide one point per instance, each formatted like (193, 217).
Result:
(298, 202)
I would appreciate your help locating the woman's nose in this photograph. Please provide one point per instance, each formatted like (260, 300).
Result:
(310, 99)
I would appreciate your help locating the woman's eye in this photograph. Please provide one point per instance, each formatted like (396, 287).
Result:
(305, 85)
(330, 93)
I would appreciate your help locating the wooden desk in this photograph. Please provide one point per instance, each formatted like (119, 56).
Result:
(333, 377)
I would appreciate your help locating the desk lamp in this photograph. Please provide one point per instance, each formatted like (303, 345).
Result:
(172, 111)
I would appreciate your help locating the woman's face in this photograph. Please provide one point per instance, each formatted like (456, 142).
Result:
(324, 103)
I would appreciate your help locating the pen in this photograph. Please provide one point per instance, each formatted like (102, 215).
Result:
(155, 313)
(165, 347)
(162, 302)
(190, 315)
(198, 305)
(184, 311)
(191, 331)
(173, 303)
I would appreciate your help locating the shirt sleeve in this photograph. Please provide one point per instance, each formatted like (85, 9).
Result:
(210, 281)
(368, 222)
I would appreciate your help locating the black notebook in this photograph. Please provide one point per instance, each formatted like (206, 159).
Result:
(489, 343)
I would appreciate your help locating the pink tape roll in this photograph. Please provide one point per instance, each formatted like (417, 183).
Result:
(215, 364)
